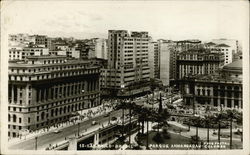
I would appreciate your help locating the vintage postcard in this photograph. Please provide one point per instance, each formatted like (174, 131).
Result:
(125, 77)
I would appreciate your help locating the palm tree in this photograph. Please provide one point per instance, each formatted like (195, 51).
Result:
(208, 120)
(218, 119)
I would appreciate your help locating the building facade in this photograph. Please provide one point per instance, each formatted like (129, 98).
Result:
(127, 58)
(194, 62)
(165, 50)
(233, 43)
(222, 90)
(23, 52)
(152, 59)
(44, 90)
(42, 41)
(101, 49)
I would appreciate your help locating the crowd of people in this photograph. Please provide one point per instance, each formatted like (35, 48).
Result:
(83, 115)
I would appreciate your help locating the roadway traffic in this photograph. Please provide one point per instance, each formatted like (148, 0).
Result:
(52, 138)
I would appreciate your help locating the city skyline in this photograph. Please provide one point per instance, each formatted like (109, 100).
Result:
(172, 20)
(125, 75)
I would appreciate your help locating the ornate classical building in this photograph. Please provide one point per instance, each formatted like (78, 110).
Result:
(222, 89)
(44, 90)
(193, 62)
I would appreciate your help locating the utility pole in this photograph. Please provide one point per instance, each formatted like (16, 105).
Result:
(130, 127)
(147, 125)
(219, 134)
(231, 126)
(36, 143)
(122, 118)
(207, 134)
(78, 125)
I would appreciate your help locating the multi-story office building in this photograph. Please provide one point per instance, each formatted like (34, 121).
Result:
(127, 59)
(222, 89)
(185, 45)
(101, 49)
(233, 43)
(166, 47)
(44, 90)
(42, 41)
(194, 62)
(153, 59)
(228, 52)
(178, 47)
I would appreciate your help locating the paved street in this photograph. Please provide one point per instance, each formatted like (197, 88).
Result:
(54, 138)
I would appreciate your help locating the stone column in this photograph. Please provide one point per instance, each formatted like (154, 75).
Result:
(39, 95)
(27, 95)
(54, 92)
(66, 91)
(85, 86)
(18, 95)
(225, 99)
(232, 103)
(45, 94)
(96, 139)
(12, 93)
(63, 93)
(49, 93)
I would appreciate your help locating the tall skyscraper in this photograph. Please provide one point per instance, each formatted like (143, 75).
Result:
(127, 59)
(166, 47)
(153, 59)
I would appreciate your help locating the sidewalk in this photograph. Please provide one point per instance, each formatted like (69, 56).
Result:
(87, 113)
(81, 134)
(202, 132)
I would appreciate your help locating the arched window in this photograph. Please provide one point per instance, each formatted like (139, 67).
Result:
(14, 118)
(75, 107)
(68, 108)
(56, 111)
(60, 111)
(64, 110)
(42, 115)
(52, 112)
(72, 108)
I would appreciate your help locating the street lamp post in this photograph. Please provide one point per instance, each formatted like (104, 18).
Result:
(207, 121)
(78, 128)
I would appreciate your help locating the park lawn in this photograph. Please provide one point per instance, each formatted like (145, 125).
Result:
(177, 128)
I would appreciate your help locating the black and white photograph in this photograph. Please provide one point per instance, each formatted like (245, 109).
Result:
(127, 77)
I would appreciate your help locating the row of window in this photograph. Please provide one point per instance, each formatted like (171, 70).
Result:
(52, 68)
(47, 76)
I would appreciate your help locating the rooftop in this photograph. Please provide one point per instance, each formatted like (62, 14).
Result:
(236, 65)
(222, 45)
(210, 44)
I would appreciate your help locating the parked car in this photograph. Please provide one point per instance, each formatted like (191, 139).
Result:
(93, 123)
(113, 118)
(107, 114)
(57, 131)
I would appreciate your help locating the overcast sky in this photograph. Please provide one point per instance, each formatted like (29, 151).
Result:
(163, 19)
